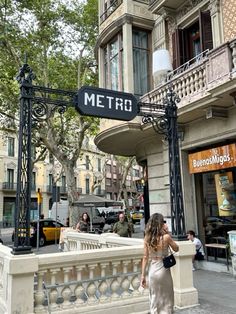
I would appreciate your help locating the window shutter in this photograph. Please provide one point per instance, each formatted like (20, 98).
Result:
(205, 30)
(178, 48)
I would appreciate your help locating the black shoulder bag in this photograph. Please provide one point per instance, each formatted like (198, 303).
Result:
(199, 256)
(169, 261)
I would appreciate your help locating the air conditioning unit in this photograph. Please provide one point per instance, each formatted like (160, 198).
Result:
(216, 113)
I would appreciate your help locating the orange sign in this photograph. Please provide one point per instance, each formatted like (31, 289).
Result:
(213, 159)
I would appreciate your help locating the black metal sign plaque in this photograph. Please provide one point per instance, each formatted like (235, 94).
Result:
(104, 103)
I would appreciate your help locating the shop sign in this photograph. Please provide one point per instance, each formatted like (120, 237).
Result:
(104, 103)
(213, 159)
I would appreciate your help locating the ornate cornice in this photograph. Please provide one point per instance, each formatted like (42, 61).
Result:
(168, 14)
(214, 6)
(188, 6)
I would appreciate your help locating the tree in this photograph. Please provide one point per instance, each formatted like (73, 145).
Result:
(125, 164)
(59, 39)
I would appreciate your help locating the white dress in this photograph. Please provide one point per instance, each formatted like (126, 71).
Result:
(161, 292)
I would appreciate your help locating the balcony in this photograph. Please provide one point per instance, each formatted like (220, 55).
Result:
(155, 6)
(203, 84)
(108, 11)
(9, 186)
(101, 192)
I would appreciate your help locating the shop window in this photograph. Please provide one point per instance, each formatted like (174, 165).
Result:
(219, 205)
(190, 42)
(140, 61)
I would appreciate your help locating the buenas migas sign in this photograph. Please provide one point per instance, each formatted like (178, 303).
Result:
(213, 159)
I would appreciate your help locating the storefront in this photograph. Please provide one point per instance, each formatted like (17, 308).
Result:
(214, 173)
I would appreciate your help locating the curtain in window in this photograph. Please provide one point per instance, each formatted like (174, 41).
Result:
(140, 57)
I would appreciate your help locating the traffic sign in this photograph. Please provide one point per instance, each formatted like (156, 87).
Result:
(105, 103)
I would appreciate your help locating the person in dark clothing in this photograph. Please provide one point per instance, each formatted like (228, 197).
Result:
(83, 224)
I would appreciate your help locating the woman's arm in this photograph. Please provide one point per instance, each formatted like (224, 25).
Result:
(144, 264)
(77, 227)
(172, 243)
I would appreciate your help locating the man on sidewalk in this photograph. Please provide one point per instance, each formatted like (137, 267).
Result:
(122, 228)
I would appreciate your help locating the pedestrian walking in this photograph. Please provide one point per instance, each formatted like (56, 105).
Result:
(83, 224)
(156, 246)
(122, 227)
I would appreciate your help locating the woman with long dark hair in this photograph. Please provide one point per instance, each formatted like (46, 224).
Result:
(83, 224)
(156, 246)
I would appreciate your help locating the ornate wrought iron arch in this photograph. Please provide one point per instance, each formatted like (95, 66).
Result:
(35, 102)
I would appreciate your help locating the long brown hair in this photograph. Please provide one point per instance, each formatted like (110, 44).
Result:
(154, 230)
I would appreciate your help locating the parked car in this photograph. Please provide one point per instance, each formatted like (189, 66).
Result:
(49, 230)
(136, 215)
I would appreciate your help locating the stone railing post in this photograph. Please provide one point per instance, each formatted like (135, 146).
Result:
(20, 283)
(185, 293)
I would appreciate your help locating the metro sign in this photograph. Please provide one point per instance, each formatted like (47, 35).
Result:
(105, 103)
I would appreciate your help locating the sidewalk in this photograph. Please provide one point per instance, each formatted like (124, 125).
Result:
(216, 291)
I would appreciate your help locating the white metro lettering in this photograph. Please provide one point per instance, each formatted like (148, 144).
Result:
(107, 102)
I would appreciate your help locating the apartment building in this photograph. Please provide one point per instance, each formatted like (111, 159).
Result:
(96, 173)
(88, 178)
(136, 38)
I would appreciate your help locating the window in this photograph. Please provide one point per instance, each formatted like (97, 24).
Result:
(109, 6)
(135, 172)
(113, 64)
(99, 165)
(99, 190)
(75, 182)
(11, 146)
(189, 42)
(63, 181)
(87, 185)
(33, 152)
(10, 178)
(108, 168)
(33, 183)
(141, 62)
(50, 180)
(108, 181)
(87, 161)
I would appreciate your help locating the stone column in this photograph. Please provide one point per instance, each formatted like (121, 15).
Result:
(20, 282)
(216, 23)
(128, 58)
(185, 293)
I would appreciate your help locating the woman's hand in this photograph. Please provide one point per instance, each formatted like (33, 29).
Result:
(143, 281)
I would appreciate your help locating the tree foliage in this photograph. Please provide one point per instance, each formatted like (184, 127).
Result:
(57, 38)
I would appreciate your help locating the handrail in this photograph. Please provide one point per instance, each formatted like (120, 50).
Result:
(113, 6)
(187, 65)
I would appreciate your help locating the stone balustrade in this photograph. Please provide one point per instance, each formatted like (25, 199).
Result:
(99, 274)
(84, 241)
(197, 80)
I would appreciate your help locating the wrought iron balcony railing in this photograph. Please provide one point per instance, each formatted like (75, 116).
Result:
(108, 11)
(9, 186)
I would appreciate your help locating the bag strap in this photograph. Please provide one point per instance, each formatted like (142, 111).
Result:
(199, 249)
